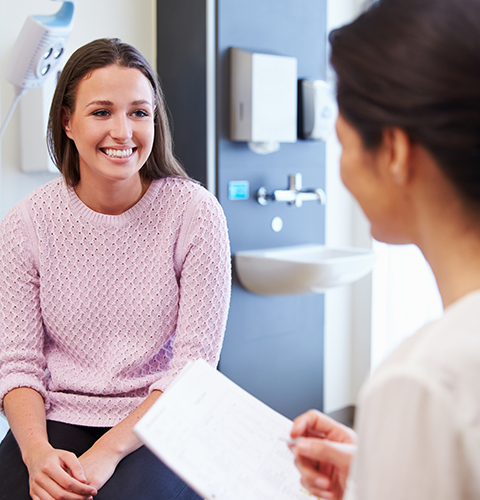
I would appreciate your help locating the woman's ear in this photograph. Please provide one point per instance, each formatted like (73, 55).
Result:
(398, 148)
(66, 119)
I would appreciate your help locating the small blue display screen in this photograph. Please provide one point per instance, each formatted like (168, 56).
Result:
(238, 190)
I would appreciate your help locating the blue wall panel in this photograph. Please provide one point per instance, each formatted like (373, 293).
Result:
(273, 345)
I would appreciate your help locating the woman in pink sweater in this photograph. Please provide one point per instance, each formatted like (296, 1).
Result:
(112, 279)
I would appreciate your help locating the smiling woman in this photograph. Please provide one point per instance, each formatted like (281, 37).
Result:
(112, 128)
(111, 280)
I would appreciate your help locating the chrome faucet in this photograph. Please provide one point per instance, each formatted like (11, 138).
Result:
(294, 195)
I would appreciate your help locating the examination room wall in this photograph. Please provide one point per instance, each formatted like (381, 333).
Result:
(134, 22)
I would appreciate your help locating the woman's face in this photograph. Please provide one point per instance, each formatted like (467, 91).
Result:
(112, 124)
(365, 174)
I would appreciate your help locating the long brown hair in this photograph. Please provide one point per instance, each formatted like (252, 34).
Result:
(415, 64)
(99, 54)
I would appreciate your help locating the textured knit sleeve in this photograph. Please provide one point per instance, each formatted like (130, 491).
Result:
(22, 362)
(203, 257)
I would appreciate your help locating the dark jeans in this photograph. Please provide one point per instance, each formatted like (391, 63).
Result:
(139, 476)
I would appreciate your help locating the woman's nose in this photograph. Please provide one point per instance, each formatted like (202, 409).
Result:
(121, 129)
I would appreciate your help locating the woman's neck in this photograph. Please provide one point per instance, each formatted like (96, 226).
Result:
(451, 245)
(112, 198)
(440, 223)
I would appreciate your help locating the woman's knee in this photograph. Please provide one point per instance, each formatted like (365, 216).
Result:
(142, 476)
(14, 475)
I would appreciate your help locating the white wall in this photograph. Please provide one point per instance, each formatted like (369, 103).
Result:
(402, 281)
(348, 310)
(132, 21)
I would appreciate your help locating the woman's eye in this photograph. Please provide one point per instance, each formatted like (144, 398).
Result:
(100, 112)
(140, 113)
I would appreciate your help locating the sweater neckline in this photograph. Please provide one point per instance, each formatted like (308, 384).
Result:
(86, 213)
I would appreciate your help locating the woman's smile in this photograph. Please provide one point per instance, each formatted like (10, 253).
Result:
(118, 153)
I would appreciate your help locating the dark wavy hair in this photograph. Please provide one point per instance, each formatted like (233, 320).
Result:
(99, 54)
(415, 64)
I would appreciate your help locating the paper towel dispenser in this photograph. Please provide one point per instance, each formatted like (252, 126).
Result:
(263, 99)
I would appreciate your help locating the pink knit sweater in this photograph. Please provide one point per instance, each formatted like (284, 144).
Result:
(96, 311)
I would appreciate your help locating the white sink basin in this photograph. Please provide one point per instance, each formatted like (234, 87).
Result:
(301, 269)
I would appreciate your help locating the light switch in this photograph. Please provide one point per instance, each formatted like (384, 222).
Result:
(238, 190)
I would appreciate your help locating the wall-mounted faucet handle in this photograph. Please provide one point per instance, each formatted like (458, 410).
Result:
(295, 195)
(263, 196)
(295, 182)
(322, 197)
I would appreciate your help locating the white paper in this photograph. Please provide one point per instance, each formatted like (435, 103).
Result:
(223, 442)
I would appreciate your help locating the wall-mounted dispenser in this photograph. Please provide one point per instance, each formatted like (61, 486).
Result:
(263, 99)
(319, 109)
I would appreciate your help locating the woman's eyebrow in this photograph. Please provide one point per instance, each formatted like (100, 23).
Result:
(141, 102)
(100, 103)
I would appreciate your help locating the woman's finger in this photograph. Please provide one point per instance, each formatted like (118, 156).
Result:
(315, 482)
(312, 420)
(45, 488)
(56, 480)
(324, 450)
(74, 467)
(311, 472)
(318, 492)
(315, 424)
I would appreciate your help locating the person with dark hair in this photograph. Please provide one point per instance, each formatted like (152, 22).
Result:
(408, 90)
(112, 279)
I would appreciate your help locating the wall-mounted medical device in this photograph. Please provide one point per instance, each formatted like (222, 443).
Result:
(38, 51)
(34, 112)
(319, 110)
(39, 47)
(263, 99)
